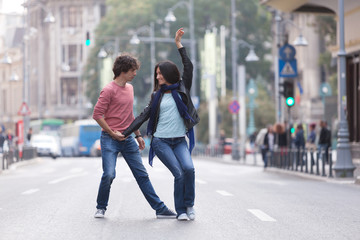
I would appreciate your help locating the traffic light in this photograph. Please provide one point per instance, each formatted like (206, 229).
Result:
(289, 93)
(88, 41)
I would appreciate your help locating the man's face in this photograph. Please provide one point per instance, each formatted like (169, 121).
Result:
(129, 75)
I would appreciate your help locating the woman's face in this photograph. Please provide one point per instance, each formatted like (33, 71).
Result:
(160, 78)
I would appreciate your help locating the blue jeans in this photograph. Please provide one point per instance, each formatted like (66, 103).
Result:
(175, 155)
(110, 149)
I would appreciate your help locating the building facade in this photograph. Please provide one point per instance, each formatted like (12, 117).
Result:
(57, 53)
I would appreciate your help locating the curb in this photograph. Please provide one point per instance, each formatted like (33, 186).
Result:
(20, 164)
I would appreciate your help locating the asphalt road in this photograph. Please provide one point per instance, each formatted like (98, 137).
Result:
(56, 199)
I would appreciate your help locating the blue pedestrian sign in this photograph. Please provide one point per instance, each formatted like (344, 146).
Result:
(287, 52)
(288, 68)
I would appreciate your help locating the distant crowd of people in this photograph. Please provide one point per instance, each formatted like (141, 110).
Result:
(279, 136)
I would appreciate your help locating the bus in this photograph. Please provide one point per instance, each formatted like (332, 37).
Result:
(46, 125)
(78, 137)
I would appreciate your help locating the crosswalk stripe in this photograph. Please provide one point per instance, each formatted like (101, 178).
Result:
(261, 215)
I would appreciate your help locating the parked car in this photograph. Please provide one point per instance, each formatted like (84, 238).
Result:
(46, 145)
(95, 150)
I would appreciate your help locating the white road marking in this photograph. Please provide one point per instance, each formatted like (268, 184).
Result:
(224, 193)
(67, 178)
(76, 170)
(30, 191)
(261, 215)
(200, 181)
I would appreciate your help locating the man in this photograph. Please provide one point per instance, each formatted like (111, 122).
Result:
(324, 141)
(2, 140)
(114, 113)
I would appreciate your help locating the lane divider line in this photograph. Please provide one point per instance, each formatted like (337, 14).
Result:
(67, 178)
(30, 191)
(261, 215)
(200, 181)
(224, 193)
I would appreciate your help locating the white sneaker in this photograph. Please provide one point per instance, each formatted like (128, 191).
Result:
(190, 211)
(183, 217)
(100, 213)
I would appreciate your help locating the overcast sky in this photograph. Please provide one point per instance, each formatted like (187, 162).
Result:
(12, 6)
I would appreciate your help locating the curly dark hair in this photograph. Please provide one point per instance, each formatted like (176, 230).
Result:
(124, 63)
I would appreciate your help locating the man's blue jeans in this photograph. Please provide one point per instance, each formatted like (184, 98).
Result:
(323, 147)
(175, 155)
(110, 149)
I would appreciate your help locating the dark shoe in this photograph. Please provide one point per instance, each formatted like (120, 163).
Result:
(166, 214)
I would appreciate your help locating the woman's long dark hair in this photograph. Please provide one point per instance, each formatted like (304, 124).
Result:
(169, 71)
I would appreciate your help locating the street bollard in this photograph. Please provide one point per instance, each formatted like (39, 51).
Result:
(323, 162)
(312, 161)
(317, 163)
(330, 163)
(301, 157)
(306, 160)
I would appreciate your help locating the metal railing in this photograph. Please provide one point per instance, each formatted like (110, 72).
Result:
(312, 161)
(10, 157)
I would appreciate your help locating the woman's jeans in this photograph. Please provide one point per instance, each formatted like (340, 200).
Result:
(110, 149)
(175, 155)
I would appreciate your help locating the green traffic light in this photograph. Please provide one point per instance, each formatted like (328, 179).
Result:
(87, 43)
(290, 101)
(292, 130)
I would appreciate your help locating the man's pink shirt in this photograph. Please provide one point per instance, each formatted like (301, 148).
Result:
(115, 104)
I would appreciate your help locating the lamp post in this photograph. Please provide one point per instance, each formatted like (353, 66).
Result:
(251, 57)
(170, 17)
(343, 166)
(252, 93)
(136, 40)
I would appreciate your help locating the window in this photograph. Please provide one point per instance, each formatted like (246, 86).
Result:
(71, 16)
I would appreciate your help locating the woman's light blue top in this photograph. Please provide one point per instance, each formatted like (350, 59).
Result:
(170, 123)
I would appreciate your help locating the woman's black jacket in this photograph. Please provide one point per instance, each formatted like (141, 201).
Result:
(184, 91)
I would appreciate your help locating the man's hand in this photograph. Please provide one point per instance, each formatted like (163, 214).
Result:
(141, 143)
(118, 136)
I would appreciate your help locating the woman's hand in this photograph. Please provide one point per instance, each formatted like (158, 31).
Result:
(178, 36)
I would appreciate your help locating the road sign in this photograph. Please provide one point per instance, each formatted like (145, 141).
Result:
(234, 107)
(288, 68)
(287, 52)
(24, 110)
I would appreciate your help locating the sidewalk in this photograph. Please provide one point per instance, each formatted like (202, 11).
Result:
(257, 162)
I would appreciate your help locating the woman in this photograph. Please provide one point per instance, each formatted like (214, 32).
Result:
(172, 115)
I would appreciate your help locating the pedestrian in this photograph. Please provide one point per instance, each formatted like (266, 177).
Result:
(299, 142)
(114, 113)
(172, 115)
(310, 141)
(222, 141)
(324, 141)
(281, 138)
(2, 140)
(28, 136)
(268, 145)
(9, 137)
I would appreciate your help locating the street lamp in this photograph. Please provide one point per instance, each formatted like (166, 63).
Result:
(135, 40)
(251, 57)
(170, 17)
(343, 166)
